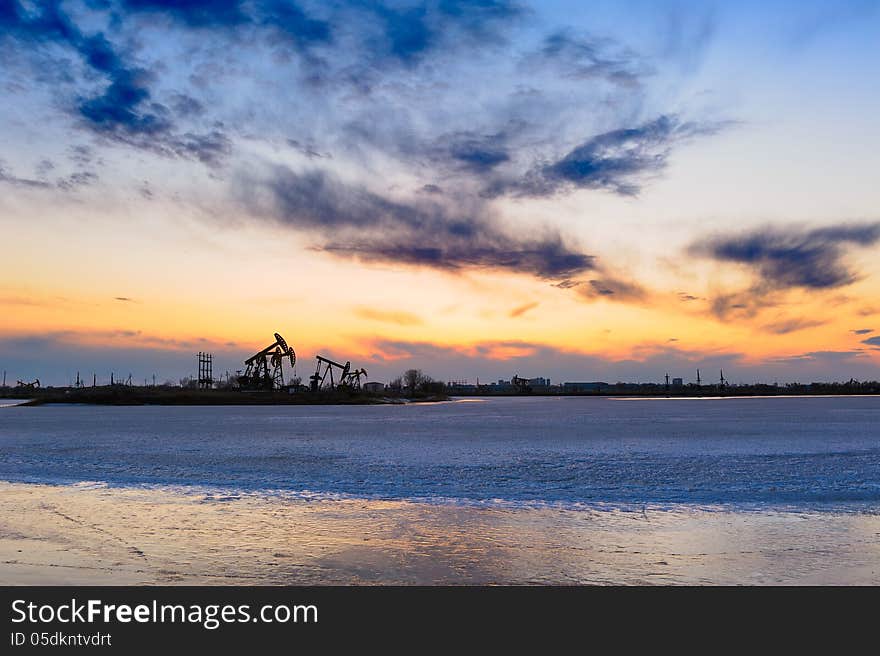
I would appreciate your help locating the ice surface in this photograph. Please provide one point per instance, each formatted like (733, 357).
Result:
(782, 451)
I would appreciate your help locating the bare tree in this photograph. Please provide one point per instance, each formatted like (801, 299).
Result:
(412, 379)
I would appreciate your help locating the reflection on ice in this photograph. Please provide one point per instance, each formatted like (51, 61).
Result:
(62, 534)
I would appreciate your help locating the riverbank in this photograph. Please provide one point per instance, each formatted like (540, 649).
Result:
(124, 395)
(89, 534)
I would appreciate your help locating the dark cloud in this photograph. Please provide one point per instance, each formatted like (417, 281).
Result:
(308, 150)
(44, 167)
(786, 258)
(82, 156)
(828, 357)
(408, 33)
(356, 222)
(124, 299)
(124, 110)
(478, 16)
(614, 161)
(78, 179)
(863, 331)
(403, 32)
(288, 19)
(786, 326)
(743, 304)
(10, 178)
(872, 341)
(613, 290)
(195, 13)
(587, 58)
(66, 183)
(479, 154)
(185, 105)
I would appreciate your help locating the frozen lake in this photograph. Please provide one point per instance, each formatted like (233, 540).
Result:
(508, 490)
(802, 452)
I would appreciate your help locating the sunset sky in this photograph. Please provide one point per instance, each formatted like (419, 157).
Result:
(478, 188)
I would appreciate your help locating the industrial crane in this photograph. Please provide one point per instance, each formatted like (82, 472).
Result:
(264, 370)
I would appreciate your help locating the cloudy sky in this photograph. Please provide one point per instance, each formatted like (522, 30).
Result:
(480, 188)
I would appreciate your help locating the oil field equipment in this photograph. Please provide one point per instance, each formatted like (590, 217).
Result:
(34, 385)
(344, 377)
(521, 384)
(206, 370)
(264, 370)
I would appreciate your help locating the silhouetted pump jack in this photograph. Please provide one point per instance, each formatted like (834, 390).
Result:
(264, 369)
(324, 377)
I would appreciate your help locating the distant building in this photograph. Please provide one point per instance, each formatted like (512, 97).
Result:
(540, 381)
(677, 382)
(583, 387)
(374, 387)
(462, 388)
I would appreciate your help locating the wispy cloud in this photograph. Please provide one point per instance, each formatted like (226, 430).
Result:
(353, 221)
(522, 309)
(613, 289)
(616, 161)
(388, 316)
(785, 326)
(9, 178)
(584, 57)
(786, 258)
(125, 109)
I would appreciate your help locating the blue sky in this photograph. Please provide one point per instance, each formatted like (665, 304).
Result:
(661, 185)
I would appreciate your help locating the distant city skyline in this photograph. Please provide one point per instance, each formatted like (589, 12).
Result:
(476, 188)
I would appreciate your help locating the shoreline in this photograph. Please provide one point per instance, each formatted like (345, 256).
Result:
(88, 534)
(127, 396)
(140, 397)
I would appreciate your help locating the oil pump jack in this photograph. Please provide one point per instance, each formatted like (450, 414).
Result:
(521, 384)
(264, 369)
(345, 378)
